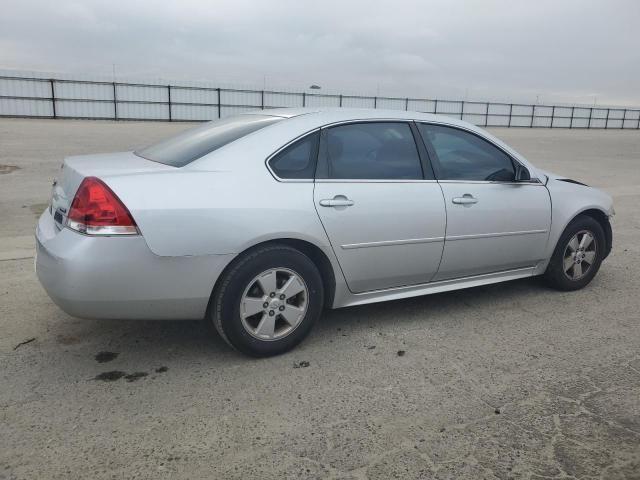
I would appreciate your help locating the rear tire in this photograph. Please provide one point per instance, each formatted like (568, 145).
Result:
(577, 256)
(267, 301)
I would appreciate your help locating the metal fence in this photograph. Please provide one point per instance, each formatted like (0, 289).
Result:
(89, 99)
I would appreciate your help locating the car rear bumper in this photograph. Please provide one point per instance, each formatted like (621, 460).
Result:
(119, 277)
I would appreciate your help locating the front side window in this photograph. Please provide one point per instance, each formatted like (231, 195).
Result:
(371, 150)
(194, 143)
(298, 160)
(462, 155)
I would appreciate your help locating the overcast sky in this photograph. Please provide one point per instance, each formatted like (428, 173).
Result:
(581, 51)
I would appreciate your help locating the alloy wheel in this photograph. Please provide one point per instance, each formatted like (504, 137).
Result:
(274, 304)
(579, 255)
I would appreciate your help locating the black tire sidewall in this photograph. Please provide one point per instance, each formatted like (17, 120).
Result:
(555, 271)
(228, 301)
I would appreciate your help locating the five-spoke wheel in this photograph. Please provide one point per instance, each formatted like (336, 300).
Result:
(267, 300)
(577, 256)
(273, 304)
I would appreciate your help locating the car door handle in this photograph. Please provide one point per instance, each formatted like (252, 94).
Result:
(466, 199)
(337, 201)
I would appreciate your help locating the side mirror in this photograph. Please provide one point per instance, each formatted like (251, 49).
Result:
(522, 174)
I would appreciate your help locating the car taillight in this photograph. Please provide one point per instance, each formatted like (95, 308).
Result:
(96, 210)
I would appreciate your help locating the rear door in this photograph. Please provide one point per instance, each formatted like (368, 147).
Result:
(384, 217)
(493, 222)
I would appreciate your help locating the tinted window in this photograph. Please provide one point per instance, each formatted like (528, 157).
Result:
(463, 156)
(194, 143)
(381, 150)
(298, 160)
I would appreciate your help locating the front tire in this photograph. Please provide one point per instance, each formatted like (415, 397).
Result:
(577, 256)
(268, 300)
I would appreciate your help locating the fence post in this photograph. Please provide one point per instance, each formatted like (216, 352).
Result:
(486, 115)
(606, 121)
(553, 115)
(533, 114)
(304, 99)
(590, 113)
(340, 100)
(115, 102)
(219, 106)
(53, 98)
(638, 127)
(406, 103)
(435, 106)
(169, 98)
(262, 99)
(461, 109)
(375, 102)
(624, 116)
(571, 121)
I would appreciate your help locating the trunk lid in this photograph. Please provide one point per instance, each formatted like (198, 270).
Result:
(75, 169)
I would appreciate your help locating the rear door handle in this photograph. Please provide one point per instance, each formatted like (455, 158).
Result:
(466, 199)
(337, 201)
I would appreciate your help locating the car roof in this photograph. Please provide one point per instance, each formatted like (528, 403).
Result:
(301, 121)
(335, 114)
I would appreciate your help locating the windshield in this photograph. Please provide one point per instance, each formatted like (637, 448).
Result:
(194, 143)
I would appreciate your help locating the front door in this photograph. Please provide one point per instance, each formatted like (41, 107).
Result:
(385, 221)
(493, 222)
(506, 228)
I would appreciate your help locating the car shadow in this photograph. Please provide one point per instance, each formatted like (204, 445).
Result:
(197, 341)
(446, 304)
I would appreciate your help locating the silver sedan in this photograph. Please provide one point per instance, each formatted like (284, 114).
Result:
(259, 221)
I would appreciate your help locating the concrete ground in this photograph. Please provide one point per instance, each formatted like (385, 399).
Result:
(505, 381)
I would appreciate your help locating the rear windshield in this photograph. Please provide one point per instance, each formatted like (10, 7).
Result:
(194, 143)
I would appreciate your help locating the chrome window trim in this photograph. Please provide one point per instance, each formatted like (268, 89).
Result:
(535, 182)
(479, 134)
(368, 120)
(291, 142)
(406, 121)
(468, 130)
(371, 180)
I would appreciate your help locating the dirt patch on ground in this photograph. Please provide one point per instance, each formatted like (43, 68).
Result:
(110, 376)
(67, 340)
(4, 169)
(103, 357)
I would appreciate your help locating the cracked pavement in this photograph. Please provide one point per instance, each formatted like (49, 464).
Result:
(506, 381)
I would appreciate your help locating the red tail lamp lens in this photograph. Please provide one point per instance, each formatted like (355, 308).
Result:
(96, 210)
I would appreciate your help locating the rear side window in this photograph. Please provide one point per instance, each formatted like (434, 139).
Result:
(462, 155)
(298, 160)
(194, 143)
(371, 150)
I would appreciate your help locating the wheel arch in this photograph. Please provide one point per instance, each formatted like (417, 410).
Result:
(315, 253)
(599, 216)
(602, 218)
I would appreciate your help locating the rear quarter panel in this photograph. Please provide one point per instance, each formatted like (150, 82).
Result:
(205, 212)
